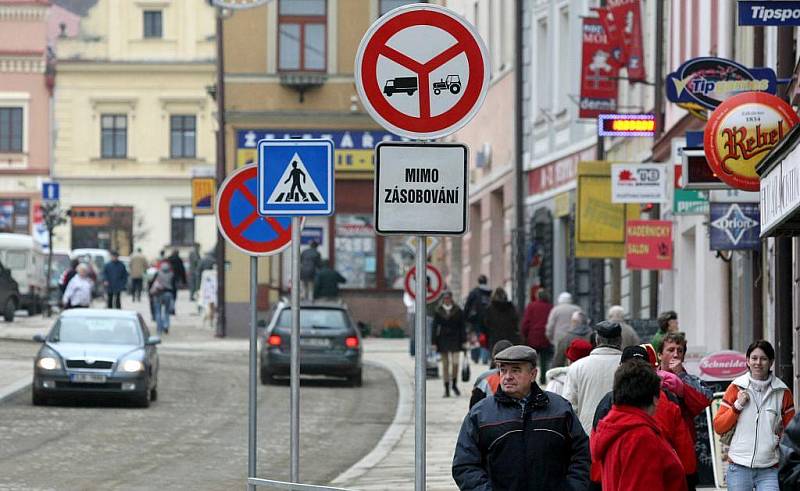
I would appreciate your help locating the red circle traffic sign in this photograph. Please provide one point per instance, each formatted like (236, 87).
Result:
(238, 219)
(435, 285)
(430, 51)
(741, 131)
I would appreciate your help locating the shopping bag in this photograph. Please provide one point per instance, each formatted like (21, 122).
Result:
(465, 373)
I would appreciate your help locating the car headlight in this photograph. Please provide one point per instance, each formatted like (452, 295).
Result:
(48, 363)
(132, 366)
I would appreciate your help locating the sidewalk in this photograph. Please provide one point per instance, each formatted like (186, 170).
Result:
(391, 464)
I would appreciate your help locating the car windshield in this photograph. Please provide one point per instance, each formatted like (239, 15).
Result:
(101, 330)
(315, 318)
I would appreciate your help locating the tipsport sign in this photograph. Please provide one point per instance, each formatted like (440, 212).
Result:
(702, 84)
(769, 13)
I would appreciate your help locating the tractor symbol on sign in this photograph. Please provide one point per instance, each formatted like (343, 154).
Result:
(451, 83)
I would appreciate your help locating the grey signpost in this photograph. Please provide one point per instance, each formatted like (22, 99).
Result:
(421, 362)
(294, 369)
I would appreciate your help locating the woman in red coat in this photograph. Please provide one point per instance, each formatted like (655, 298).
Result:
(533, 326)
(628, 443)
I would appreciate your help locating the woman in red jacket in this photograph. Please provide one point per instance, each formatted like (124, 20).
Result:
(533, 326)
(628, 443)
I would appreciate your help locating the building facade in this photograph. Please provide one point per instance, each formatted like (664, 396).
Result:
(133, 122)
(25, 93)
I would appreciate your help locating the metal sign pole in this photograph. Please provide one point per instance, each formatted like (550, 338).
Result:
(421, 360)
(294, 469)
(253, 383)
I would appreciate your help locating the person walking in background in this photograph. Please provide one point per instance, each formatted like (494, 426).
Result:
(502, 320)
(560, 319)
(534, 322)
(580, 330)
(178, 271)
(667, 322)
(449, 337)
(591, 378)
(138, 270)
(487, 383)
(161, 290)
(78, 293)
(628, 443)
(194, 271)
(208, 296)
(756, 407)
(521, 438)
(326, 283)
(475, 308)
(629, 337)
(115, 279)
(310, 264)
(68, 274)
(557, 376)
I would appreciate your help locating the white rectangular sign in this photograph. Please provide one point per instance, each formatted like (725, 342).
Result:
(421, 188)
(780, 192)
(639, 183)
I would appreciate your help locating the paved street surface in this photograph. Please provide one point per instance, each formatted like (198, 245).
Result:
(195, 435)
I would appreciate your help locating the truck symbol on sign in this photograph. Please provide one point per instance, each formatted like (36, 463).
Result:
(400, 84)
(451, 83)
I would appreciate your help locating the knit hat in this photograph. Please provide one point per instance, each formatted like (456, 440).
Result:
(651, 354)
(578, 349)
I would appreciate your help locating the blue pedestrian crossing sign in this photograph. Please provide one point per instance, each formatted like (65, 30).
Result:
(295, 177)
(50, 191)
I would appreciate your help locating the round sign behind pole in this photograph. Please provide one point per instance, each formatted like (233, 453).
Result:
(741, 132)
(422, 71)
(238, 219)
(434, 280)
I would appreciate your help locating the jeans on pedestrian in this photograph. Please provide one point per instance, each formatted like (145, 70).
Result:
(163, 302)
(136, 289)
(741, 478)
(114, 300)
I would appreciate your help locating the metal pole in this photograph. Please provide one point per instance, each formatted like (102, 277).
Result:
(421, 362)
(520, 276)
(294, 469)
(220, 171)
(252, 405)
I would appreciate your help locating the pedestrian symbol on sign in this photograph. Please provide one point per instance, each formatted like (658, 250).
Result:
(295, 185)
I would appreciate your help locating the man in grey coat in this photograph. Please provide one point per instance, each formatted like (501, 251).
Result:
(580, 329)
(560, 319)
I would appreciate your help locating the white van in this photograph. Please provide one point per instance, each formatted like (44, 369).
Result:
(23, 255)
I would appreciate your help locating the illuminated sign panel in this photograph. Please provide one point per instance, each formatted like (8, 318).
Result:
(626, 125)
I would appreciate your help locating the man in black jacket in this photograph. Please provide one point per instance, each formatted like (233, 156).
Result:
(521, 438)
(789, 468)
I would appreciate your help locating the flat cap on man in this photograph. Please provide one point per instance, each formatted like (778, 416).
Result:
(517, 354)
(608, 329)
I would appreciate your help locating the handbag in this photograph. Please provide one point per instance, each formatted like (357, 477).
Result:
(465, 372)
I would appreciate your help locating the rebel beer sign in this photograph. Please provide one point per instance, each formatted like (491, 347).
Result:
(706, 82)
(741, 132)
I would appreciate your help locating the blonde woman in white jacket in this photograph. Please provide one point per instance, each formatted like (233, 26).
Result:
(757, 407)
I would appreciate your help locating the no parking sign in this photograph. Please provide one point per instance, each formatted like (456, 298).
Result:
(238, 219)
(422, 71)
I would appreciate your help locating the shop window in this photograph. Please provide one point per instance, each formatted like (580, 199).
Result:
(356, 250)
(397, 261)
(15, 216)
(302, 44)
(182, 137)
(152, 24)
(11, 129)
(387, 5)
(182, 225)
(114, 136)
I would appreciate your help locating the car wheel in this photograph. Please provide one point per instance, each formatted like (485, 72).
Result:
(267, 378)
(37, 398)
(154, 394)
(9, 310)
(356, 380)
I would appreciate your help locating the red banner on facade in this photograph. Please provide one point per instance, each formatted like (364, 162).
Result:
(627, 15)
(648, 244)
(615, 41)
(598, 73)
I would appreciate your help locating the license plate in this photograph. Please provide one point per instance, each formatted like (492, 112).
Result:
(91, 378)
(315, 342)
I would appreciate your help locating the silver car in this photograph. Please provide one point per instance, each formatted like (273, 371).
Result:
(97, 351)
(330, 343)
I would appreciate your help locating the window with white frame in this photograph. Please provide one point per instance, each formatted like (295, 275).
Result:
(182, 136)
(114, 136)
(11, 129)
(153, 27)
(542, 76)
(562, 58)
(387, 5)
(181, 225)
(302, 35)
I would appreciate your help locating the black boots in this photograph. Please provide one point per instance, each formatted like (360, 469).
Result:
(455, 389)
(446, 390)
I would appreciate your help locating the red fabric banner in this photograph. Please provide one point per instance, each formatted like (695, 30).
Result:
(598, 72)
(615, 41)
(648, 244)
(627, 15)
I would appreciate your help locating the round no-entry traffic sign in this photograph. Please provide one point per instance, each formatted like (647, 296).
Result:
(422, 71)
(434, 287)
(238, 219)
